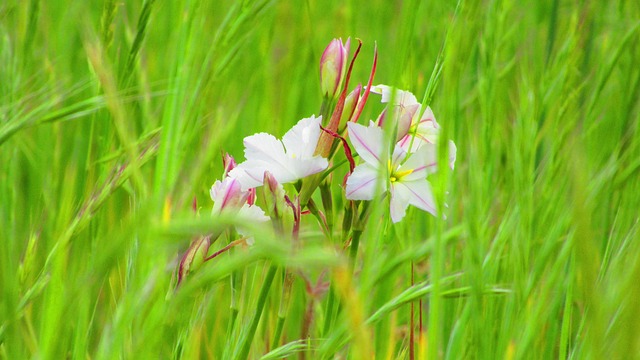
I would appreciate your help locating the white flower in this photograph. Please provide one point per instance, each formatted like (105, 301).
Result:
(405, 175)
(287, 160)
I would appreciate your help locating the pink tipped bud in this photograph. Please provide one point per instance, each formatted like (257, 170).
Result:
(273, 194)
(350, 105)
(193, 257)
(332, 67)
(228, 162)
(227, 195)
(251, 199)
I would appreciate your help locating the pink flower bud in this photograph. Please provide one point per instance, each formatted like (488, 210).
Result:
(193, 257)
(332, 67)
(273, 194)
(228, 162)
(227, 195)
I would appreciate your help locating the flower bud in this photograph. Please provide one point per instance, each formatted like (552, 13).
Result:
(350, 104)
(273, 194)
(228, 162)
(193, 257)
(332, 67)
(227, 195)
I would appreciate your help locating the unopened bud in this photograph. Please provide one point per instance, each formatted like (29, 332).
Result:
(273, 194)
(332, 67)
(193, 257)
(228, 162)
(350, 104)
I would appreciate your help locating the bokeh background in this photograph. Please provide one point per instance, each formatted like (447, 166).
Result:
(114, 116)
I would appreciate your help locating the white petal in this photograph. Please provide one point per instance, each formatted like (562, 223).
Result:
(401, 97)
(419, 194)
(252, 213)
(453, 150)
(302, 139)
(248, 174)
(422, 162)
(304, 167)
(362, 183)
(368, 142)
(399, 202)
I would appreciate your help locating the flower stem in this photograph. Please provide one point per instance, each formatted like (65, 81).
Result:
(247, 339)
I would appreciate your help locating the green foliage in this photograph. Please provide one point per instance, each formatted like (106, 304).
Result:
(113, 116)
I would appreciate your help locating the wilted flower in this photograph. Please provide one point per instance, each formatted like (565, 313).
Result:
(287, 160)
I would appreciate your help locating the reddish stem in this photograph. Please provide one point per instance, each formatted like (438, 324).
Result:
(365, 96)
(345, 145)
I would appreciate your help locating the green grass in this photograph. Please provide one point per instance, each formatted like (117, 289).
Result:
(113, 117)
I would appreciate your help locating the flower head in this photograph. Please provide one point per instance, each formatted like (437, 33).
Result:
(287, 160)
(404, 174)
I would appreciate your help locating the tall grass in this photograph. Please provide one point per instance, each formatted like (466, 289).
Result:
(113, 116)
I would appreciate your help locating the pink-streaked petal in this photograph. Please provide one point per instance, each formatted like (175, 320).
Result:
(368, 142)
(302, 139)
(246, 179)
(421, 162)
(428, 116)
(362, 183)
(399, 202)
(419, 194)
(398, 156)
(227, 194)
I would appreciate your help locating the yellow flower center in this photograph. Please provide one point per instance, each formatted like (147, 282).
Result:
(397, 175)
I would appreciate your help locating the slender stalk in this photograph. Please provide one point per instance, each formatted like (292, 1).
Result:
(247, 339)
(353, 251)
(278, 333)
(412, 339)
(328, 319)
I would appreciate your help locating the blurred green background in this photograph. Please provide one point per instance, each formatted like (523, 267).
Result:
(113, 117)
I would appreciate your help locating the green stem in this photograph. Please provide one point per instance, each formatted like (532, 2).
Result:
(353, 251)
(245, 343)
(276, 337)
(328, 319)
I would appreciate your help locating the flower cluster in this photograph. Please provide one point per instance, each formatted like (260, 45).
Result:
(392, 166)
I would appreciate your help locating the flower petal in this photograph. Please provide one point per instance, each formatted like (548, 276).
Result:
(302, 139)
(227, 194)
(399, 202)
(301, 168)
(401, 97)
(419, 194)
(368, 142)
(361, 184)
